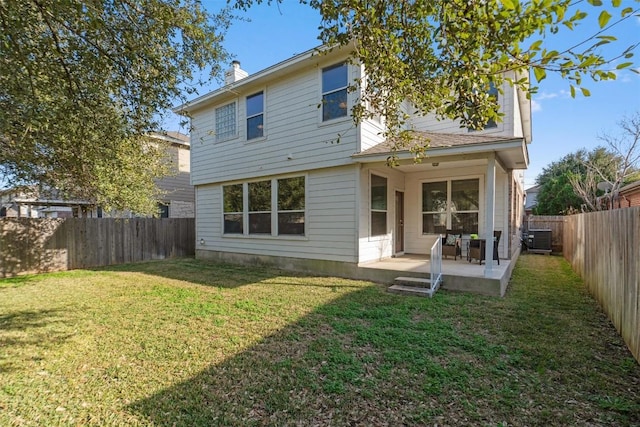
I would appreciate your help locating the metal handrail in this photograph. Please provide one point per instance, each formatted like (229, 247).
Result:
(435, 265)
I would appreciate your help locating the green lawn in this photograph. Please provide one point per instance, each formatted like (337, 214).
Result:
(188, 343)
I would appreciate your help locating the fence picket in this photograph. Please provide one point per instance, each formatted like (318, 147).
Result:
(31, 245)
(603, 248)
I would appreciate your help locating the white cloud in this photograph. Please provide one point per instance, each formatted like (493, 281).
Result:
(545, 95)
(565, 94)
(536, 101)
(535, 106)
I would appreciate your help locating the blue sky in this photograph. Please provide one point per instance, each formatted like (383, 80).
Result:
(561, 124)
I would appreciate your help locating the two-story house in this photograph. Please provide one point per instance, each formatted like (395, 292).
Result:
(178, 199)
(284, 177)
(179, 195)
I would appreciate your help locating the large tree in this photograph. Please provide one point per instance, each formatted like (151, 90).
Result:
(557, 194)
(81, 83)
(444, 55)
(616, 170)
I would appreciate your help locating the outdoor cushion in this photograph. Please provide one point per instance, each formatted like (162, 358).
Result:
(451, 240)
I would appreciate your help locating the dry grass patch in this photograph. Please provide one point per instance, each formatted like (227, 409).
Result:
(185, 342)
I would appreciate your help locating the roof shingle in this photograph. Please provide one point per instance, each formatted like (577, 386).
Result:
(435, 140)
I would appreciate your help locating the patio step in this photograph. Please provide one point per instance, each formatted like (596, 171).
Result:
(410, 290)
(412, 286)
(416, 282)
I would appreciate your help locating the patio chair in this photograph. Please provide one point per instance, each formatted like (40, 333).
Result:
(451, 245)
(476, 248)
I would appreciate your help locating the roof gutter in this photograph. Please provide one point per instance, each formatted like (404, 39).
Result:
(447, 151)
(276, 69)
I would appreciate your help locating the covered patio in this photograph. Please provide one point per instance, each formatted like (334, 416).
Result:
(458, 275)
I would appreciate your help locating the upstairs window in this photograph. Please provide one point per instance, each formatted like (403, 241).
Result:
(226, 122)
(334, 92)
(255, 116)
(493, 93)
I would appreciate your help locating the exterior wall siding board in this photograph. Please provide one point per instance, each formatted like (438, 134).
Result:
(507, 101)
(329, 221)
(371, 134)
(292, 126)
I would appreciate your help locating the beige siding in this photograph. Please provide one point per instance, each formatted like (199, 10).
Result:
(295, 138)
(184, 161)
(509, 127)
(178, 186)
(371, 133)
(516, 116)
(372, 248)
(330, 221)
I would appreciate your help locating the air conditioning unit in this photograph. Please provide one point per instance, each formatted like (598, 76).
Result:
(539, 241)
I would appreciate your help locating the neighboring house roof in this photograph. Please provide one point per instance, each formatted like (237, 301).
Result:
(172, 137)
(630, 188)
(512, 151)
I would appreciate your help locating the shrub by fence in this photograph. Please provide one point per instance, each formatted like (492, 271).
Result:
(29, 245)
(604, 249)
(549, 222)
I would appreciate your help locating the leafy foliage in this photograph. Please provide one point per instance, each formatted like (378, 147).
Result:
(625, 162)
(557, 195)
(443, 56)
(81, 82)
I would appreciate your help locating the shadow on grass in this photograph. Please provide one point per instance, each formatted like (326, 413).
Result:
(28, 319)
(218, 274)
(20, 330)
(369, 358)
(16, 281)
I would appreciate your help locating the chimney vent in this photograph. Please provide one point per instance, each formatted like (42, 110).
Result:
(234, 73)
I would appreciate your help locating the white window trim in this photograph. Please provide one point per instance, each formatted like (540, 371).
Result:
(500, 125)
(481, 202)
(249, 212)
(264, 117)
(321, 93)
(387, 235)
(244, 206)
(215, 121)
(274, 210)
(277, 211)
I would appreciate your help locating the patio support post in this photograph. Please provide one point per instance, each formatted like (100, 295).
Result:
(490, 201)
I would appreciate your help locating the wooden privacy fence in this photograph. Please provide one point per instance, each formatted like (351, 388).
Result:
(29, 245)
(604, 249)
(555, 223)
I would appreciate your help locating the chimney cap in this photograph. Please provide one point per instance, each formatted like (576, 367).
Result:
(234, 73)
